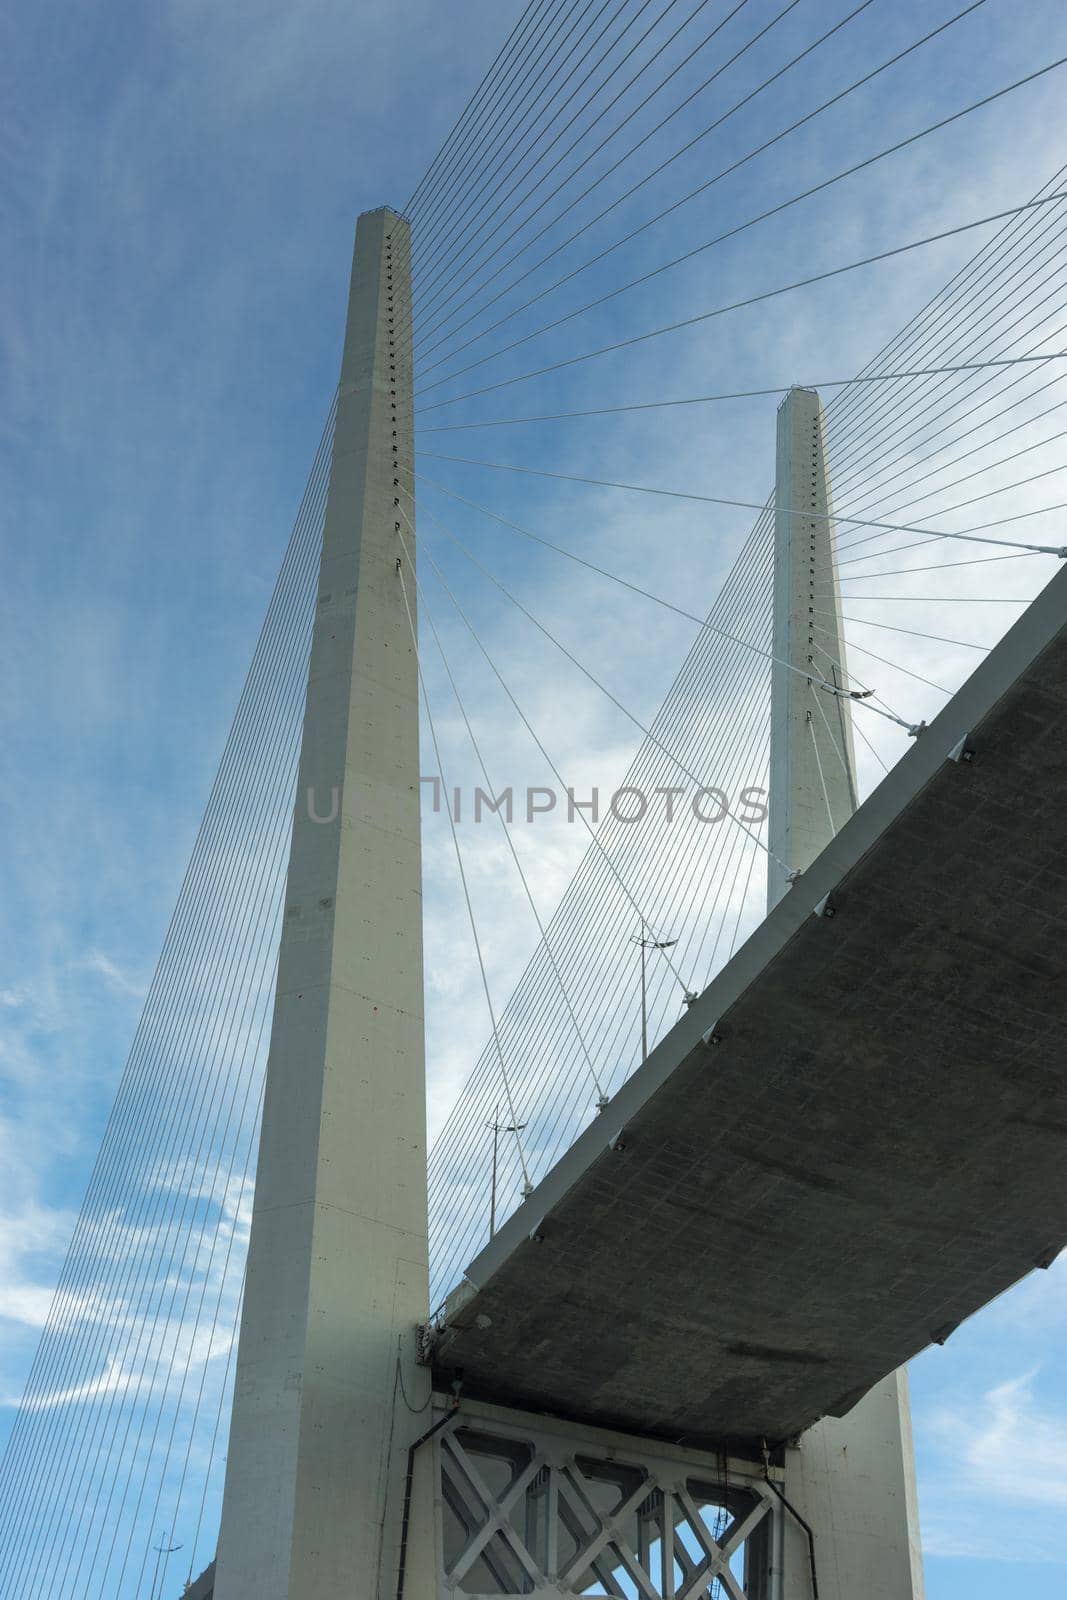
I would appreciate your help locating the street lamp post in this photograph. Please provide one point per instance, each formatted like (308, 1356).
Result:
(647, 944)
(498, 1128)
(164, 1552)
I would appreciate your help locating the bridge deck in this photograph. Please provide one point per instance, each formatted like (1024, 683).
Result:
(875, 1149)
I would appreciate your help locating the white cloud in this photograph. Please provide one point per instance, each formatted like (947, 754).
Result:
(116, 979)
(996, 1484)
(159, 301)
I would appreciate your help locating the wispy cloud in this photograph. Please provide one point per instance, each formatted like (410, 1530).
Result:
(114, 977)
(184, 179)
(1000, 1483)
(1015, 1446)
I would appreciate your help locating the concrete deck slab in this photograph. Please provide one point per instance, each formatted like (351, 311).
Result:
(757, 1230)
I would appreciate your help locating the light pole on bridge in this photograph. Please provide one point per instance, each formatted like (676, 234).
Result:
(642, 939)
(498, 1128)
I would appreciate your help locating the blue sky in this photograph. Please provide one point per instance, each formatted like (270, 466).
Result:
(178, 187)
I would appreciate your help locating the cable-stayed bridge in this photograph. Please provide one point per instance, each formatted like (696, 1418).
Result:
(717, 1173)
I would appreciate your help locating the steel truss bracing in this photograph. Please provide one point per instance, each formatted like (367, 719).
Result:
(531, 1506)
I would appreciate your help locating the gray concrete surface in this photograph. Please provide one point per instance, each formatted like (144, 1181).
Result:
(812, 759)
(852, 1479)
(337, 1265)
(202, 1588)
(874, 1149)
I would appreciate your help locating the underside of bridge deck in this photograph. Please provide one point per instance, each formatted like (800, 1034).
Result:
(853, 1140)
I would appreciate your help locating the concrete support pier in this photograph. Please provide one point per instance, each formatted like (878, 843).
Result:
(337, 1266)
(852, 1479)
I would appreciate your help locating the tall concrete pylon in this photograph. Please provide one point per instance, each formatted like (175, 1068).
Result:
(852, 1479)
(326, 1374)
(813, 790)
